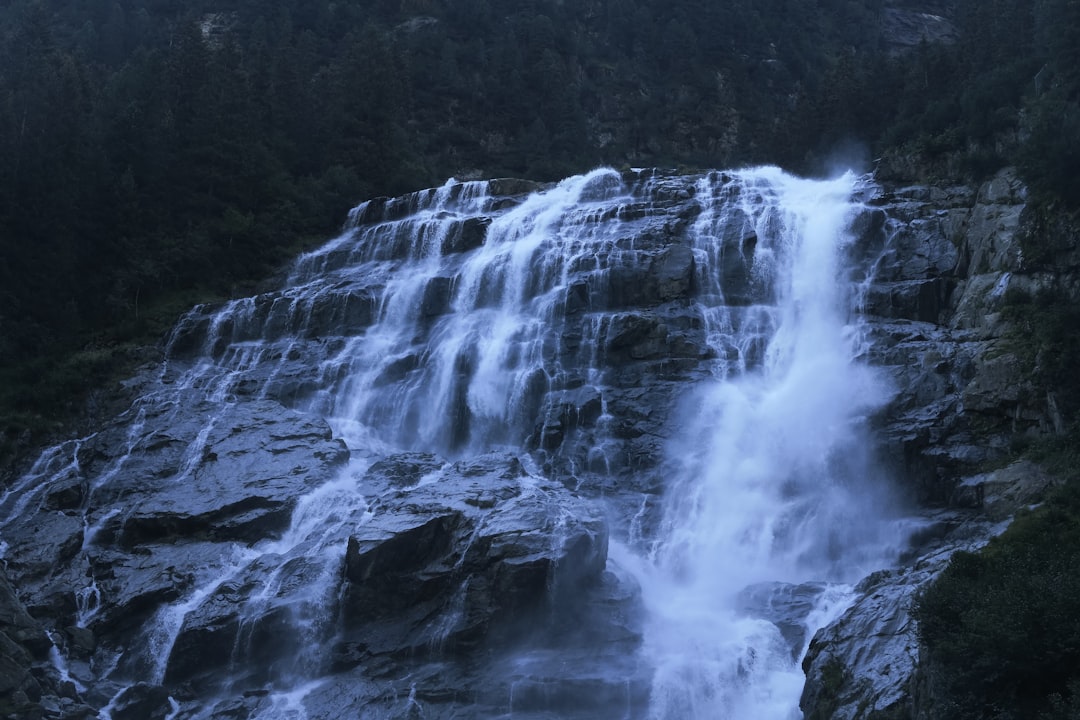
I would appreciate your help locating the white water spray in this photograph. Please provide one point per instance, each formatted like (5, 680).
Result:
(407, 335)
(772, 481)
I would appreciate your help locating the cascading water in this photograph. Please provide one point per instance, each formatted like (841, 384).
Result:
(470, 336)
(679, 350)
(772, 485)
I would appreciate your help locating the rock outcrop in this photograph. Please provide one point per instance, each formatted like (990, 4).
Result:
(452, 556)
(22, 642)
(964, 398)
(109, 528)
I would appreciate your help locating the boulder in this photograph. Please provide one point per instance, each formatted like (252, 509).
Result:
(466, 235)
(457, 555)
(437, 295)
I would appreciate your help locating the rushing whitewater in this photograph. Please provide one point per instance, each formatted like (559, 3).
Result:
(772, 484)
(386, 489)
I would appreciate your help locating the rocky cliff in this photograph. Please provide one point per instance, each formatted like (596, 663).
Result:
(966, 400)
(334, 497)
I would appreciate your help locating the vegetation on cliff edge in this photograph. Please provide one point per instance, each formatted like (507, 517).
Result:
(1001, 628)
(154, 149)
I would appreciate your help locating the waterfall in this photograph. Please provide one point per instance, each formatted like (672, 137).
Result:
(773, 489)
(682, 355)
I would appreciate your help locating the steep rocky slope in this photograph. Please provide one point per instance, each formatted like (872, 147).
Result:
(966, 399)
(170, 561)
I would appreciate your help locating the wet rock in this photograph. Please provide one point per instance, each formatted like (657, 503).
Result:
(142, 702)
(436, 300)
(397, 370)
(209, 635)
(404, 469)
(1001, 493)
(577, 298)
(81, 641)
(250, 627)
(466, 235)
(868, 229)
(42, 541)
(635, 336)
(23, 645)
(473, 551)
(464, 583)
(189, 334)
(580, 407)
(134, 585)
(949, 258)
(997, 383)
(235, 478)
(14, 667)
(580, 670)
(164, 508)
(72, 709)
(339, 311)
(673, 272)
(784, 605)
(65, 495)
(736, 270)
(919, 300)
(962, 396)
(513, 186)
(864, 665)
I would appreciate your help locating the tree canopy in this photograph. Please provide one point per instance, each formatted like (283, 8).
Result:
(156, 151)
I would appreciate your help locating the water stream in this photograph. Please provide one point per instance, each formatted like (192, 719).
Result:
(686, 352)
(773, 491)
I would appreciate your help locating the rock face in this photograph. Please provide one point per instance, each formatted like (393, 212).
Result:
(464, 559)
(386, 488)
(950, 258)
(963, 397)
(500, 547)
(216, 539)
(21, 642)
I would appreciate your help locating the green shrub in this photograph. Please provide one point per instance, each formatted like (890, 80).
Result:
(1000, 627)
